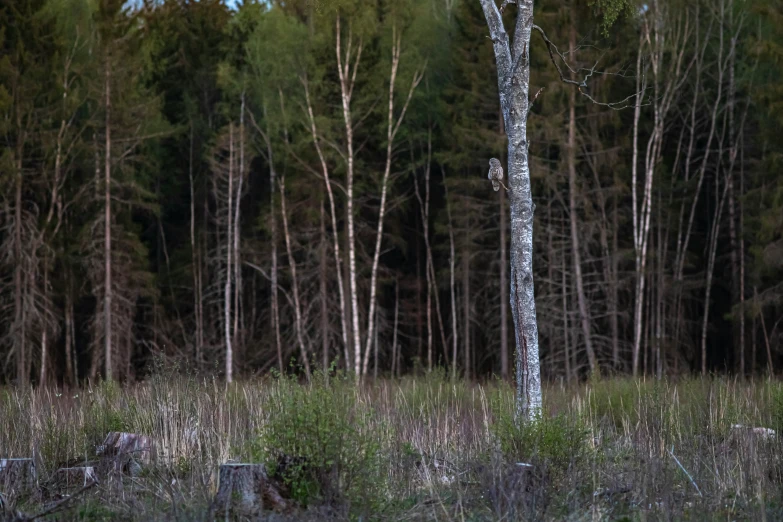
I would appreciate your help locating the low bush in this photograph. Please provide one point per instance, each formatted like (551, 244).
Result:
(324, 443)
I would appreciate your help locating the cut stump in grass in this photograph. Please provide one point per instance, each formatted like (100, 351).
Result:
(246, 490)
(17, 476)
(127, 452)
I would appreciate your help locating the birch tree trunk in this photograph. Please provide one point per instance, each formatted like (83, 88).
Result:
(236, 268)
(513, 68)
(391, 131)
(347, 82)
(229, 264)
(333, 214)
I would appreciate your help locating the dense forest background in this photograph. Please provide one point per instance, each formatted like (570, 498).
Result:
(296, 184)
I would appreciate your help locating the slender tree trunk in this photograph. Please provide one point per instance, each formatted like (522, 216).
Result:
(294, 282)
(107, 301)
(584, 316)
(236, 268)
(391, 131)
(395, 348)
(419, 325)
(452, 285)
(324, 300)
(333, 214)
(466, 308)
(229, 263)
(742, 269)
(566, 323)
(637, 318)
(766, 336)
(614, 287)
(20, 344)
(712, 252)
(197, 305)
(347, 83)
(42, 381)
(69, 363)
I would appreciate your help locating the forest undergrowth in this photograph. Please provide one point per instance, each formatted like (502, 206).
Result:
(419, 448)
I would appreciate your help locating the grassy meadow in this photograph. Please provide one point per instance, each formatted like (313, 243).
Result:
(414, 449)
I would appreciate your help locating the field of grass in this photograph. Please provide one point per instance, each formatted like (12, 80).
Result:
(416, 449)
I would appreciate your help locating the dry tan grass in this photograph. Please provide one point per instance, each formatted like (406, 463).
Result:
(660, 450)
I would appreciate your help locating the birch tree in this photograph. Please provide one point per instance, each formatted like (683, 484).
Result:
(512, 58)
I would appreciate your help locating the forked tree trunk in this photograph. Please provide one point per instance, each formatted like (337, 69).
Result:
(393, 125)
(333, 214)
(513, 67)
(347, 82)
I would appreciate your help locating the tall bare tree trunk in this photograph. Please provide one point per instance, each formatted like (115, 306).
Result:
(324, 301)
(69, 377)
(395, 348)
(275, 239)
(229, 263)
(742, 269)
(107, 301)
(42, 381)
(391, 131)
(294, 282)
(566, 323)
(584, 316)
(236, 268)
(197, 304)
(20, 343)
(513, 68)
(347, 82)
(452, 286)
(466, 308)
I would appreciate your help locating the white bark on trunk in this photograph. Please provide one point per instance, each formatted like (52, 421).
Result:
(513, 68)
(391, 131)
(229, 264)
(347, 82)
(236, 268)
(333, 214)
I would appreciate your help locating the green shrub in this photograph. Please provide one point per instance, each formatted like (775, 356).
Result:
(323, 442)
(553, 443)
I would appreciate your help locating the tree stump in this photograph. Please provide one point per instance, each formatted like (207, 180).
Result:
(17, 476)
(126, 452)
(246, 490)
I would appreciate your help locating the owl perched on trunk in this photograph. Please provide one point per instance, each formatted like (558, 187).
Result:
(495, 173)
